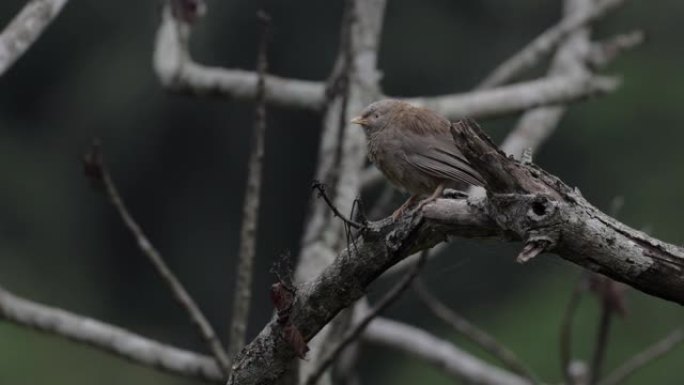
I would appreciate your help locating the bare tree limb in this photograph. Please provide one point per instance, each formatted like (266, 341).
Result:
(353, 334)
(95, 169)
(644, 358)
(544, 44)
(437, 352)
(518, 97)
(248, 230)
(473, 333)
(25, 29)
(112, 339)
(177, 71)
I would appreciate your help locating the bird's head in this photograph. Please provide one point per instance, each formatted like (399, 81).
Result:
(378, 115)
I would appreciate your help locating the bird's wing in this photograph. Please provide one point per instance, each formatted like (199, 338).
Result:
(437, 156)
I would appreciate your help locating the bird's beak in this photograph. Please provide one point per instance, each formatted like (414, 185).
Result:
(359, 120)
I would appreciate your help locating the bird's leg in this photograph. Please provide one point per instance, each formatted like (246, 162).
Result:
(436, 194)
(409, 202)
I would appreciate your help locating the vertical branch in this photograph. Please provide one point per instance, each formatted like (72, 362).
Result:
(566, 330)
(342, 152)
(601, 344)
(95, 169)
(250, 213)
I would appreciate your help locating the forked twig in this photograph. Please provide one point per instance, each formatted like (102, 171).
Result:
(96, 170)
(320, 187)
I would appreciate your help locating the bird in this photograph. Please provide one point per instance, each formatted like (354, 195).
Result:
(413, 148)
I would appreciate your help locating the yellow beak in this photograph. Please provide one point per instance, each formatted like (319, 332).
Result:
(359, 120)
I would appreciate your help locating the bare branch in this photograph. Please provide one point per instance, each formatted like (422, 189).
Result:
(112, 339)
(96, 170)
(250, 211)
(544, 44)
(177, 71)
(644, 358)
(473, 333)
(437, 352)
(518, 97)
(353, 334)
(25, 29)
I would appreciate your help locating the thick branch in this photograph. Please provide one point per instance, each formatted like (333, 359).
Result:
(550, 216)
(178, 72)
(25, 29)
(112, 339)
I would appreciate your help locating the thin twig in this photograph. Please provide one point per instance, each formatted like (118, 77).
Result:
(250, 212)
(95, 168)
(611, 295)
(320, 187)
(601, 344)
(566, 328)
(543, 44)
(472, 332)
(351, 335)
(644, 358)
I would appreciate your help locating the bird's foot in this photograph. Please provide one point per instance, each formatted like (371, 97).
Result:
(402, 209)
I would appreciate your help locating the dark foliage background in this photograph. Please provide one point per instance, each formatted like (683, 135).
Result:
(180, 164)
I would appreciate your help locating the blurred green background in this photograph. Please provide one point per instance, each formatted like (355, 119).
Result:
(180, 164)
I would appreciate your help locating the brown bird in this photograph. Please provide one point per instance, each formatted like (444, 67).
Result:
(414, 149)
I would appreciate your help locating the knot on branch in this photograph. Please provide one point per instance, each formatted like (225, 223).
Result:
(533, 217)
(522, 197)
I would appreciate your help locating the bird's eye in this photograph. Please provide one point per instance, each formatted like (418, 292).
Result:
(376, 116)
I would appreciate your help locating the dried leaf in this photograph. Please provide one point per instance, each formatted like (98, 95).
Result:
(296, 340)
